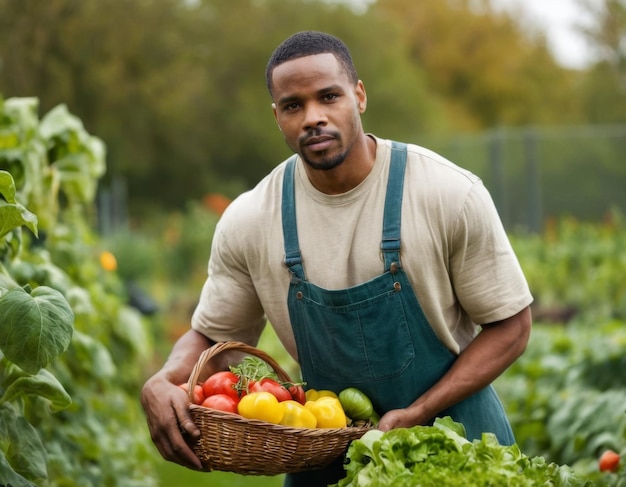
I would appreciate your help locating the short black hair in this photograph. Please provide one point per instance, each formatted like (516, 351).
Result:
(308, 43)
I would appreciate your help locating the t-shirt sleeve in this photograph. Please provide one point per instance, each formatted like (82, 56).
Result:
(228, 308)
(486, 273)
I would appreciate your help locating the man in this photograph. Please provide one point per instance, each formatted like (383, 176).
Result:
(376, 262)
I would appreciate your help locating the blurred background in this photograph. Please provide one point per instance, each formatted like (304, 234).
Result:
(176, 90)
(529, 95)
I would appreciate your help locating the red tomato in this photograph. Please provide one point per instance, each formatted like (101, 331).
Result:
(223, 382)
(609, 461)
(221, 402)
(270, 385)
(297, 393)
(198, 392)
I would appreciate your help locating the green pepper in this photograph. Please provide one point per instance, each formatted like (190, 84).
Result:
(357, 405)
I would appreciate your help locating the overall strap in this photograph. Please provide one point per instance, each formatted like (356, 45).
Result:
(293, 257)
(390, 244)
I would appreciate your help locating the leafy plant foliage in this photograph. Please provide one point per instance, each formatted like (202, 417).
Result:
(36, 327)
(69, 345)
(566, 396)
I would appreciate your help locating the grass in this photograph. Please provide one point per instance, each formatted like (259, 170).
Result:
(171, 474)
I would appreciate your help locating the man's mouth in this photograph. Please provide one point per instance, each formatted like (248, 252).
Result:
(319, 142)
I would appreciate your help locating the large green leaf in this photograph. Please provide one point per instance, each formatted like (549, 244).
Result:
(70, 136)
(22, 455)
(23, 110)
(58, 122)
(12, 214)
(10, 476)
(41, 384)
(15, 215)
(7, 187)
(36, 327)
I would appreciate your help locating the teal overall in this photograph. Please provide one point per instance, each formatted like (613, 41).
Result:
(373, 336)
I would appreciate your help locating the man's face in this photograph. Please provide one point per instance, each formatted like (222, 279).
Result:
(317, 108)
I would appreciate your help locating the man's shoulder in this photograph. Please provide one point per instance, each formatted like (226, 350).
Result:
(427, 163)
(442, 163)
(259, 203)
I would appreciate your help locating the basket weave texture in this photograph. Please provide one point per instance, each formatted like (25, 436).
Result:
(232, 443)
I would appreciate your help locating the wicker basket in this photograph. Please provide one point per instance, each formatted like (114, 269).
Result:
(232, 443)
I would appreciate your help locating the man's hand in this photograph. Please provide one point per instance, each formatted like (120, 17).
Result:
(167, 406)
(396, 418)
(169, 421)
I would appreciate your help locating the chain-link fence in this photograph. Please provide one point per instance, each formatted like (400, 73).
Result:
(535, 173)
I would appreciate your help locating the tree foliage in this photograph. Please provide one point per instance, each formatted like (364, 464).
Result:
(607, 32)
(604, 85)
(176, 87)
(487, 67)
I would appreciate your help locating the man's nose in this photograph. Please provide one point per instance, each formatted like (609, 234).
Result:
(314, 116)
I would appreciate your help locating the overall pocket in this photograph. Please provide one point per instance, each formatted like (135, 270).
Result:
(353, 339)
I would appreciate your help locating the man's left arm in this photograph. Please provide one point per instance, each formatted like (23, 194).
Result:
(495, 348)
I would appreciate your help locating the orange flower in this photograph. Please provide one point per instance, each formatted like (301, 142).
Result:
(108, 261)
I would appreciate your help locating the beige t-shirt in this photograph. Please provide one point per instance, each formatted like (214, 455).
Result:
(455, 251)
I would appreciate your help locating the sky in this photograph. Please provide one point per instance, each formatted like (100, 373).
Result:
(557, 19)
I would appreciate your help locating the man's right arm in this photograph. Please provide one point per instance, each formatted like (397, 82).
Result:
(167, 406)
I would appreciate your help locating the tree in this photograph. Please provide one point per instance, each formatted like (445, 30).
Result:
(176, 88)
(607, 31)
(604, 86)
(125, 67)
(487, 68)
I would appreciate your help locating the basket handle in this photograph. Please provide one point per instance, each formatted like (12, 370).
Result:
(220, 347)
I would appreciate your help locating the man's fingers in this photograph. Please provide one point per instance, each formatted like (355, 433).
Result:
(396, 418)
(188, 427)
(173, 446)
(184, 419)
(170, 423)
(186, 431)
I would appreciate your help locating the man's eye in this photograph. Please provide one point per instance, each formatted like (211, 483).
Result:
(291, 107)
(330, 97)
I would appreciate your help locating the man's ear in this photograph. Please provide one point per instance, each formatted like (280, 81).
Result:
(361, 96)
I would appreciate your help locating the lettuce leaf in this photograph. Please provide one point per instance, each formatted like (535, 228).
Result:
(441, 455)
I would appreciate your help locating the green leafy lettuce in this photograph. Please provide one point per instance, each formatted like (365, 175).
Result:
(440, 455)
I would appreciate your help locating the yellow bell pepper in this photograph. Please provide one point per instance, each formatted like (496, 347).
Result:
(261, 405)
(314, 394)
(328, 412)
(297, 416)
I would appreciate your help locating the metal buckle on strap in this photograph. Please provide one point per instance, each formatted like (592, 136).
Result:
(292, 258)
(390, 245)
